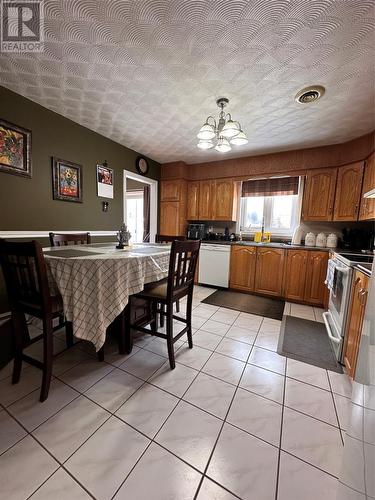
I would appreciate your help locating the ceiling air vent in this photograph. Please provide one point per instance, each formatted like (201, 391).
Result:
(310, 94)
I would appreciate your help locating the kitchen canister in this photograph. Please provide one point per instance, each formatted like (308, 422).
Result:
(321, 240)
(332, 241)
(310, 240)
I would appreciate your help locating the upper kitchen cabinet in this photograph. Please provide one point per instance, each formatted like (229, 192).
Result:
(225, 200)
(192, 211)
(269, 271)
(171, 190)
(212, 200)
(205, 209)
(367, 210)
(319, 194)
(348, 192)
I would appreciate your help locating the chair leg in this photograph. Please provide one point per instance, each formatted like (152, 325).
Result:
(162, 307)
(154, 316)
(170, 336)
(19, 327)
(47, 358)
(178, 306)
(69, 334)
(189, 307)
(121, 335)
(101, 354)
(128, 336)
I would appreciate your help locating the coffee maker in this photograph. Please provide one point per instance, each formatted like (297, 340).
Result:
(196, 231)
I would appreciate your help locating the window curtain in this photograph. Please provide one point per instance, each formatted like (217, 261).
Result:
(281, 186)
(146, 214)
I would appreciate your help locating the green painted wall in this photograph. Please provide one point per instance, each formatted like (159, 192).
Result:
(27, 204)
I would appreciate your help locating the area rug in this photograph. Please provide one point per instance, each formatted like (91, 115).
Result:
(307, 341)
(244, 302)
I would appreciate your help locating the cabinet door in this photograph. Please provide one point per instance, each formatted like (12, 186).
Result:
(269, 271)
(355, 320)
(242, 267)
(169, 218)
(193, 201)
(170, 190)
(223, 192)
(205, 200)
(319, 194)
(348, 192)
(295, 274)
(367, 211)
(316, 271)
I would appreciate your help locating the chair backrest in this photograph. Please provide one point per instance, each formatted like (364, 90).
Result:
(161, 238)
(59, 239)
(25, 273)
(182, 265)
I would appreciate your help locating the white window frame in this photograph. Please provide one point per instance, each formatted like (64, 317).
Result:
(267, 213)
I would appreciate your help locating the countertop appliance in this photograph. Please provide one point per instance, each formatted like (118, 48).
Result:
(196, 231)
(214, 265)
(339, 297)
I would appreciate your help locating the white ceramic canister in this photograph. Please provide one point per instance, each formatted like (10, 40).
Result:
(321, 240)
(332, 240)
(310, 240)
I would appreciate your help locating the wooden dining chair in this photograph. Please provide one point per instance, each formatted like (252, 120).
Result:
(25, 274)
(163, 295)
(162, 238)
(59, 239)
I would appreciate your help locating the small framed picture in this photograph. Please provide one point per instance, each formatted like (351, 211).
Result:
(67, 180)
(104, 180)
(15, 149)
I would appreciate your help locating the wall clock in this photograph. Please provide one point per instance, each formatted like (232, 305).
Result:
(141, 164)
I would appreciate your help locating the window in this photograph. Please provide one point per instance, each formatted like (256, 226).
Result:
(134, 210)
(272, 201)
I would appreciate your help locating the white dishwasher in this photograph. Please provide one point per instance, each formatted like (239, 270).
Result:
(214, 264)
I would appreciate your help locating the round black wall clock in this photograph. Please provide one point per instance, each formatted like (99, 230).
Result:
(141, 164)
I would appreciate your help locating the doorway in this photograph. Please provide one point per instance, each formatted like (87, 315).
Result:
(140, 207)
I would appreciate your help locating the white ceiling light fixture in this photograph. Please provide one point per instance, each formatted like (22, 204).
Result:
(221, 134)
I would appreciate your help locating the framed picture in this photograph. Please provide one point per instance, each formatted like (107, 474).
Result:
(67, 180)
(104, 180)
(15, 149)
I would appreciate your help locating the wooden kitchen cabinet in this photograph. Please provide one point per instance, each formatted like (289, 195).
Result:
(242, 267)
(171, 190)
(294, 275)
(355, 321)
(169, 218)
(316, 271)
(224, 195)
(348, 192)
(319, 194)
(205, 200)
(269, 271)
(367, 210)
(192, 211)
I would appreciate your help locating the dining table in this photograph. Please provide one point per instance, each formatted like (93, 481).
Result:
(95, 281)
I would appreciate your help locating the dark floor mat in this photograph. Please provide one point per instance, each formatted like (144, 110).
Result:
(307, 341)
(244, 302)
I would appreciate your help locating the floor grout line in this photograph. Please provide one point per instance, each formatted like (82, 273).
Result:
(281, 433)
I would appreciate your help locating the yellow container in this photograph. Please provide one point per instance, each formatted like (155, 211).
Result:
(260, 237)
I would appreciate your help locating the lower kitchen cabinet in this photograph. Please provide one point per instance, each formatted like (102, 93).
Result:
(355, 321)
(294, 275)
(316, 292)
(269, 271)
(242, 268)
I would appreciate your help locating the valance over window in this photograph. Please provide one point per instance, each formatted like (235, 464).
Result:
(281, 186)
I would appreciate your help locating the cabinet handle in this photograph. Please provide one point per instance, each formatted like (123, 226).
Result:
(362, 296)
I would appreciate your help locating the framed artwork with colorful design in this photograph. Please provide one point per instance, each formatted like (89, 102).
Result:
(15, 149)
(66, 180)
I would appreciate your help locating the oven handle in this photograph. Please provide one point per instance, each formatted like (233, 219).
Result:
(329, 331)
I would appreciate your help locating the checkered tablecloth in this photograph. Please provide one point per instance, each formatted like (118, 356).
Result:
(96, 288)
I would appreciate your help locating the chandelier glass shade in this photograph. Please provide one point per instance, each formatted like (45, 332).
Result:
(222, 134)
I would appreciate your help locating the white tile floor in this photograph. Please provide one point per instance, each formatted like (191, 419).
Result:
(233, 420)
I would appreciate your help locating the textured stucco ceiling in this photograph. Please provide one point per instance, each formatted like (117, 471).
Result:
(147, 73)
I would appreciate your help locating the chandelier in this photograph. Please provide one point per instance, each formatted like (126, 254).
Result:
(222, 134)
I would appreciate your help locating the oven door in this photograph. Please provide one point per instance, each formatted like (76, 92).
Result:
(338, 300)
